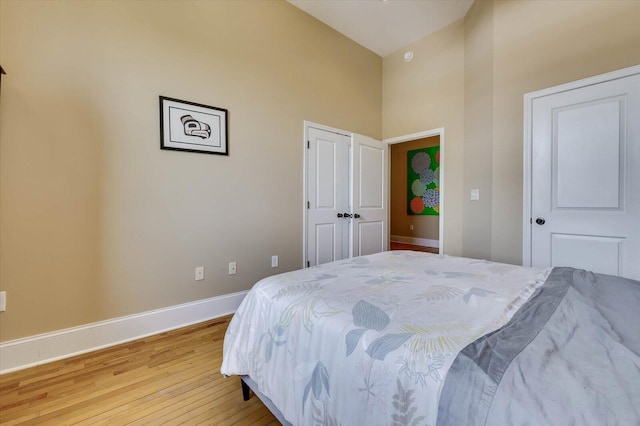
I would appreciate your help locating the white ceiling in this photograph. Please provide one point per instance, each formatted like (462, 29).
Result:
(385, 26)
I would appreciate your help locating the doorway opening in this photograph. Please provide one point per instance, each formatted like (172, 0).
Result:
(416, 189)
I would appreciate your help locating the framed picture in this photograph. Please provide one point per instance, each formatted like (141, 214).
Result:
(187, 126)
(423, 181)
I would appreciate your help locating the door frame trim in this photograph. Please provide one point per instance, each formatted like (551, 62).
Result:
(305, 195)
(529, 98)
(413, 136)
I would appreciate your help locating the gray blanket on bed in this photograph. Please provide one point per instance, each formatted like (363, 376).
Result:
(570, 355)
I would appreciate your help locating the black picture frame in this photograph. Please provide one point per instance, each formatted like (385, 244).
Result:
(192, 127)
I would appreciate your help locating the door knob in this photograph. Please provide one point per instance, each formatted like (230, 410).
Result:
(540, 221)
(356, 215)
(347, 215)
(339, 214)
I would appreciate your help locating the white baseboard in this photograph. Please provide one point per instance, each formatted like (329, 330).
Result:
(40, 349)
(416, 241)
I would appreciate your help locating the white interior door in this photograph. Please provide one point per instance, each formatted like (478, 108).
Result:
(328, 196)
(585, 178)
(369, 196)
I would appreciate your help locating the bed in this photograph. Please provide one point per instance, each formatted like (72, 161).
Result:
(410, 338)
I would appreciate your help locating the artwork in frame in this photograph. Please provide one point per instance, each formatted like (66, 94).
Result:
(423, 181)
(188, 126)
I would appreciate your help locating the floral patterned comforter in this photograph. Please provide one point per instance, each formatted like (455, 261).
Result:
(368, 340)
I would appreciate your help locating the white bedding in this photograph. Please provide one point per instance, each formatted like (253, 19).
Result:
(368, 340)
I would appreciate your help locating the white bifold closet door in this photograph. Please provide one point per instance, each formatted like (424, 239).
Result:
(346, 191)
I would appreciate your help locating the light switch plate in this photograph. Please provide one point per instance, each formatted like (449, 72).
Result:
(475, 194)
(3, 301)
(200, 273)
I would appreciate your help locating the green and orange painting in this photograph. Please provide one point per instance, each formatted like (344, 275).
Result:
(423, 181)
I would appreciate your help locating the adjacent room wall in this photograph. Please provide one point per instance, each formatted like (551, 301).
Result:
(96, 221)
(470, 78)
(424, 227)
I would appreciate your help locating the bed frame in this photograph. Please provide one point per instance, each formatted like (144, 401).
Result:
(249, 385)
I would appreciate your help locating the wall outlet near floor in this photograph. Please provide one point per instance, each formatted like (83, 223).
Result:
(411, 227)
(274, 261)
(232, 268)
(200, 273)
(3, 301)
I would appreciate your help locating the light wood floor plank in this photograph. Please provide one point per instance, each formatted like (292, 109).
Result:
(171, 378)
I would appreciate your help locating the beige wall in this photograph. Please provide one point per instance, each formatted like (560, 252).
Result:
(428, 93)
(96, 221)
(538, 44)
(423, 226)
(508, 48)
(478, 129)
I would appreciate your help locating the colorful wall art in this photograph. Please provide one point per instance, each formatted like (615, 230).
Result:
(423, 181)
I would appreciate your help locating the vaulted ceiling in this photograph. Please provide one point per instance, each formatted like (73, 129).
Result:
(384, 26)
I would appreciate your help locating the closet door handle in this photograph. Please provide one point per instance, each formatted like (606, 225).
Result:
(347, 215)
(339, 214)
(356, 215)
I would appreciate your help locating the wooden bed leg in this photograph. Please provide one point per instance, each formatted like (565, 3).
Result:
(245, 390)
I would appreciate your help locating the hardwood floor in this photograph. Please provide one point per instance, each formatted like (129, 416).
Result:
(403, 246)
(171, 378)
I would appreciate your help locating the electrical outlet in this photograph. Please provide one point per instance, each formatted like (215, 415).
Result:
(274, 261)
(232, 268)
(411, 227)
(3, 301)
(200, 273)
